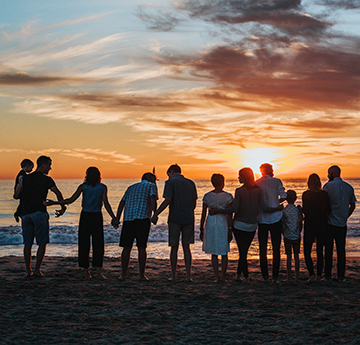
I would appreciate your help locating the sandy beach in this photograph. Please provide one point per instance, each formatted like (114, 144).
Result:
(63, 308)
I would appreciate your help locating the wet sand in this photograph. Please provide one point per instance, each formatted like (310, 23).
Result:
(63, 308)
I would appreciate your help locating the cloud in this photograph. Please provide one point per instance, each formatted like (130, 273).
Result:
(286, 16)
(94, 154)
(97, 154)
(293, 77)
(22, 78)
(341, 4)
(161, 21)
(31, 28)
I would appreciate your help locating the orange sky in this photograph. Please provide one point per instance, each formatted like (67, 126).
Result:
(212, 86)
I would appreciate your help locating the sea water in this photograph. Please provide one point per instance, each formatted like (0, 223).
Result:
(63, 230)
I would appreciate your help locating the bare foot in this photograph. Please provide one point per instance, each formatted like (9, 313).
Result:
(29, 274)
(100, 277)
(38, 274)
(188, 279)
(238, 278)
(172, 279)
(311, 279)
(87, 274)
(144, 278)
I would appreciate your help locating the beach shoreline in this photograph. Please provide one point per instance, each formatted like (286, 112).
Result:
(64, 308)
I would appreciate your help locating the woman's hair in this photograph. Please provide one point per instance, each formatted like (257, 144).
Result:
(93, 176)
(217, 180)
(314, 182)
(247, 175)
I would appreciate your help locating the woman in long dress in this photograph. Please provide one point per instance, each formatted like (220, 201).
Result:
(91, 220)
(215, 231)
(316, 208)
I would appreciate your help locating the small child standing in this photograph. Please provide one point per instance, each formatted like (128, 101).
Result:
(26, 167)
(216, 234)
(292, 219)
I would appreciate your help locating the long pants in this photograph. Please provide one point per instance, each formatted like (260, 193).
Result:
(275, 232)
(308, 243)
(339, 235)
(91, 225)
(243, 241)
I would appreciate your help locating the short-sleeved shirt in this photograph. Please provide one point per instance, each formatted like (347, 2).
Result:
(341, 196)
(271, 189)
(183, 195)
(92, 200)
(138, 200)
(292, 218)
(34, 193)
(21, 173)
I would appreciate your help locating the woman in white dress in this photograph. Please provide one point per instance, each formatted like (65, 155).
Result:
(245, 206)
(215, 231)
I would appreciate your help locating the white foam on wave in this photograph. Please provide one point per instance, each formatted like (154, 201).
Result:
(65, 234)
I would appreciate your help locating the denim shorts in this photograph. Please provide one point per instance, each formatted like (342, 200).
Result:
(36, 225)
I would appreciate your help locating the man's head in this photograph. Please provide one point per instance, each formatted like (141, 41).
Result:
(27, 165)
(149, 177)
(173, 170)
(218, 180)
(333, 171)
(291, 196)
(44, 164)
(266, 169)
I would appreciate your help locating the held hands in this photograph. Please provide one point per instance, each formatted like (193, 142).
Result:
(59, 213)
(154, 219)
(115, 223)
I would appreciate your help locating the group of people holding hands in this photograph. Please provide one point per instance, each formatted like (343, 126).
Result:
(255, 205)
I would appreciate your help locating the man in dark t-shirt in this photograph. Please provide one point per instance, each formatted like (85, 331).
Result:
(180, 195)
(35, 219)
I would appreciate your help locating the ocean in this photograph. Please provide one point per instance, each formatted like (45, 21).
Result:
(63, 230)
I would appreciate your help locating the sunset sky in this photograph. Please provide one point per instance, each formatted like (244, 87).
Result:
(211, 85)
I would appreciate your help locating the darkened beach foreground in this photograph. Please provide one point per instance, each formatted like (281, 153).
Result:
(63, 308)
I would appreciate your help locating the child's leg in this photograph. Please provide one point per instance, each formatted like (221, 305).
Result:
(297, 265)
(215, 265)
(224, 264)
(288, 265)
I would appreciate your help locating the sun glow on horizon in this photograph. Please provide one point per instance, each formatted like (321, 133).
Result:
(280, 158)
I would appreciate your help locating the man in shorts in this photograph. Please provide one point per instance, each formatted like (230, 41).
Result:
(180, 194)
(35, 221)
(138, 203)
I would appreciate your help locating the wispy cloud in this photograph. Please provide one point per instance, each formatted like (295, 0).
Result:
(87, 153)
